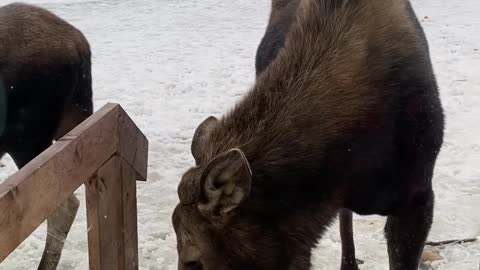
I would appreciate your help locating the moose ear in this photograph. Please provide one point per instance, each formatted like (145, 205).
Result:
(200, 137)
(225, 183)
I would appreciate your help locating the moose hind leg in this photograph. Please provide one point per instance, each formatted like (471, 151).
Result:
(58, 226)
(348, 246)
(407, 231)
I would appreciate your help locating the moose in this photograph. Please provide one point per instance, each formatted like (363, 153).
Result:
(344, 116)
(281, 17)
(45, 70)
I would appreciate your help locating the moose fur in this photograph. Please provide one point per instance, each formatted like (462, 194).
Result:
(281, 17)
(346, 116)
(45, 68)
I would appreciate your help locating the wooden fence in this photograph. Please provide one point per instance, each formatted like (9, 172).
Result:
(107, 153)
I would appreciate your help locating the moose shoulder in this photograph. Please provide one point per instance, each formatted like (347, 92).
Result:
(346, 116)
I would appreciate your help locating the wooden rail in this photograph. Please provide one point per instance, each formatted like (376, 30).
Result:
(107, 153)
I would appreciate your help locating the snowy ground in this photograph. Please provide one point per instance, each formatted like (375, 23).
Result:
(172, 63)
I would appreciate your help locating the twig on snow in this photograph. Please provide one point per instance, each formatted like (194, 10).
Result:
(453, 241)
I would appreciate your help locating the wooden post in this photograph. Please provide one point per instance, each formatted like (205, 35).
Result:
(112, 217)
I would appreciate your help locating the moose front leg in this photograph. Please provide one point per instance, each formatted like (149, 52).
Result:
(58, 226)
(406, 232)
(348, 246)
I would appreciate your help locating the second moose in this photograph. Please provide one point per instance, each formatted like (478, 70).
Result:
(346, 116)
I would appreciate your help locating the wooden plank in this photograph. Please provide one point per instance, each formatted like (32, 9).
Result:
(105, 217)
(112, 217)
(130, 235)
(92, 199)
(133, 145)
(28, 197)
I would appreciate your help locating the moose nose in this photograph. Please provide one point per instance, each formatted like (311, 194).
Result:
(193, 265)
(190, 258)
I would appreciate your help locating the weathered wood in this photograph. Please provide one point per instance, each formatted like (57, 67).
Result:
(28, 197)
(94, 247)
(133, 145)
(110, 150)
(104, 217)
(130, 232)
(112, 217)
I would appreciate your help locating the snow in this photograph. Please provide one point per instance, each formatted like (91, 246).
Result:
(172, 63)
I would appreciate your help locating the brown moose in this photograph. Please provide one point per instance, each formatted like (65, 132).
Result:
(45, 69)
(344, 115)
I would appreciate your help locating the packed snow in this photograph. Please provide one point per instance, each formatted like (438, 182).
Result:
(172, 63)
